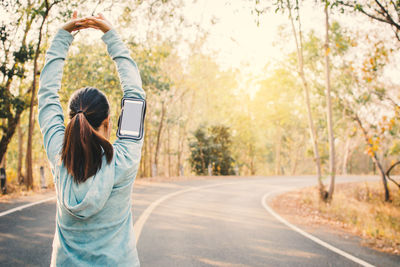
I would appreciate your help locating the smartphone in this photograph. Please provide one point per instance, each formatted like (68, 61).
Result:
(131, 120)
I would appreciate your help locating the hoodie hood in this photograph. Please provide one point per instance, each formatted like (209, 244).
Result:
(85, 199)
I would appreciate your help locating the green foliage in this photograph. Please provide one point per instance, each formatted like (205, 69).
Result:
(212, 147)
(395, 148)
(149, 61)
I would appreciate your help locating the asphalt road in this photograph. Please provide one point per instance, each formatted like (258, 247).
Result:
(215, 222)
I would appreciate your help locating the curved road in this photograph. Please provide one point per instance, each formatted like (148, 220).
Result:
(218, 222)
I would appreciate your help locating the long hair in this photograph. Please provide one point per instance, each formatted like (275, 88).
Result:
(83, 147)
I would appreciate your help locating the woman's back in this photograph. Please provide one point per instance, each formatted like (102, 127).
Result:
(94, 219)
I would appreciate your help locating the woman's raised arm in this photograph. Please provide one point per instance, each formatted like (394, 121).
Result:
(127, 151)
(127, 68)
(51, 117)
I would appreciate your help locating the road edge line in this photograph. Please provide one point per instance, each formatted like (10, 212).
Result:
(25, 206)
(307, 235)
(138, 226)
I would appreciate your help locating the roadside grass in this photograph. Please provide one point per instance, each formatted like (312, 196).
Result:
(357, 207)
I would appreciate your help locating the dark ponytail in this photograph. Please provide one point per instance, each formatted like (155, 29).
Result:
(83, 146)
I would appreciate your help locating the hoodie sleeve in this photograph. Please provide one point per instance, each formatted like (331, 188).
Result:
(127, 151)
(51, 117)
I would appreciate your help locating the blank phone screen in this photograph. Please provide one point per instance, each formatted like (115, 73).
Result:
(131, 118)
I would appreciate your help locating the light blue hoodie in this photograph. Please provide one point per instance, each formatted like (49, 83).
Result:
(94, 224)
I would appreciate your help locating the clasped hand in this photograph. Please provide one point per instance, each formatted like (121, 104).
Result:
(98, 22)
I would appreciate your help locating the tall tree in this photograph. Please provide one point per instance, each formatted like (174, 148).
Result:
(364, 96)
(331, 137)
(42, 12)
(13, 65)
(283, 5)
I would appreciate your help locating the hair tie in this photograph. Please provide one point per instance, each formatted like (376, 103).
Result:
(80, 111)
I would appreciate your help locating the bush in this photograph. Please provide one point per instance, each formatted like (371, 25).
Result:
(212, 146)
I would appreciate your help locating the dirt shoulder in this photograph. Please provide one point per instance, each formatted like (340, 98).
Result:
(20, 195)
(26, 196)
(357, 209)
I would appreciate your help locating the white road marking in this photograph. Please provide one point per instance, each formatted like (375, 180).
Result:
(309, 236)
(138, 226)
(25, 206)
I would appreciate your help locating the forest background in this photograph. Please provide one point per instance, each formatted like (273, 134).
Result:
(219, 101)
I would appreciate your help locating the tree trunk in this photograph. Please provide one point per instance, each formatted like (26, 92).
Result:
(383, 176)
(29, 168)
(148, 143)
(20, 176)
(143, 165)
(278, 146)
(12, 122)
(182, 134)
(29, 162)
(375, 159)
(181, 142)
(149, 158)
(169, 152)
(252, 167)
(329, 109)
(179, 150)
(295, 159)
(388, 173)
(6, 138)
(160, 128)
(313, 133)
(3, 162)
(346, 156)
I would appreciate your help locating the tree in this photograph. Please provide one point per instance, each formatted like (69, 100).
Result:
(279, 112)
(42, 12)
(13, 66)
(329, 108)
(283, 5)
(212, 147)
(385, 11)
(364, 97)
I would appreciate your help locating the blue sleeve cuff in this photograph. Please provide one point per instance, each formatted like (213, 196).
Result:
(109, 36)
(64, 35)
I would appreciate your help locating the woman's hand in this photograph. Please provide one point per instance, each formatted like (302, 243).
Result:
(73, 24)
(99, 23)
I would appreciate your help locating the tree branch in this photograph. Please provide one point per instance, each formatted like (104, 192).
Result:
(395, 6)
(388, 173)
(366, 13)
(388, 16)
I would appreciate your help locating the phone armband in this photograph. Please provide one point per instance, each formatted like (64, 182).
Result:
(131, 119)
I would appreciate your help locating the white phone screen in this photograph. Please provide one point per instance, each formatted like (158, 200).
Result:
(131, 118)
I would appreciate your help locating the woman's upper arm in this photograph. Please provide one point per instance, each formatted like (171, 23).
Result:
(127, 159)
(127, 151)
(127, 68)
(51, 117)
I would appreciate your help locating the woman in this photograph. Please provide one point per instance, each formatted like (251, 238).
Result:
(93, 178)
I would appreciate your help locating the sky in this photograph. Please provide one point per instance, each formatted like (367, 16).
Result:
(238, 42)
(235, 38)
